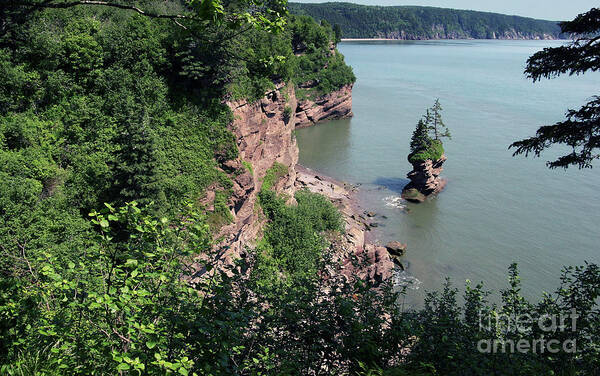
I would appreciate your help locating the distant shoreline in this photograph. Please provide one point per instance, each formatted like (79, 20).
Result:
(420, 40)
(363, 39)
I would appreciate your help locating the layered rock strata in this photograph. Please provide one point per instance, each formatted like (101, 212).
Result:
(332, 106)
(425, 180)
(263, 132)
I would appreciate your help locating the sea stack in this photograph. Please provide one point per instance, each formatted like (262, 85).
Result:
(425, 179)
(427, 156)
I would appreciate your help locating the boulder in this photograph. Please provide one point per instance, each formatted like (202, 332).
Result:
(396, 248)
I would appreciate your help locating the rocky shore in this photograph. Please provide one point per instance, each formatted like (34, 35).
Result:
(355, 242)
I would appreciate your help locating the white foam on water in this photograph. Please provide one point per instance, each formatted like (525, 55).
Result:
(395, 202)
(404, 280)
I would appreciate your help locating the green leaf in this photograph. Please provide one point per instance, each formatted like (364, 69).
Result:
(131, 262)
(123, 367)
(151, 344)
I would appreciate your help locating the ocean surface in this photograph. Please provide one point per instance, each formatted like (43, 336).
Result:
(496, 209)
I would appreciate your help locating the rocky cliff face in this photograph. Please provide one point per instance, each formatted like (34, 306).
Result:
(424, 180)
(439, 31)
(335, 105)
(263, 132)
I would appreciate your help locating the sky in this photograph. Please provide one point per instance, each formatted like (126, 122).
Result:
(543, 9)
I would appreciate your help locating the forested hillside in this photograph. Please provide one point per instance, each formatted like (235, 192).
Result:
(413, 22)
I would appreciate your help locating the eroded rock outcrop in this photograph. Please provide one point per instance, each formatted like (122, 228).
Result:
(263, 132)
(425, 180)
(332, 106)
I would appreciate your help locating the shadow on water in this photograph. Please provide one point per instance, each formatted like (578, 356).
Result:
(393, 184)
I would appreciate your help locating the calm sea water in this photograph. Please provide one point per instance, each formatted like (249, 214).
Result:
(496, 209)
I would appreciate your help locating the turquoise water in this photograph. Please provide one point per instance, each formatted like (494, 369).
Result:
(496, 209)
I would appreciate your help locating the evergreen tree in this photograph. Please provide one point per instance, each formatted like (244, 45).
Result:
(581, 130)
(337, 31)
(435, 123)
(420, 139)
(135, 174)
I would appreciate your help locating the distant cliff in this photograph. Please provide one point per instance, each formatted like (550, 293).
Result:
(415, 23)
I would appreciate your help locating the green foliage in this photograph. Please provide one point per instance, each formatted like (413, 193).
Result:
(113, 308)
(321, 68)
(434, 151)
(221, 215)
(420, 139)
(319, 211)
(434, 121)
(303, 54)
(293, 238)
(287, 113)
(94, 111)
(412, 22)
(449, 334)
(581, 131)
(248, 166)
(273, 174)
(426, 140)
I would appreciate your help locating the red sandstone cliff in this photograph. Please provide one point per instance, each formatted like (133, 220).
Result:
(263, 132)
(335, 105)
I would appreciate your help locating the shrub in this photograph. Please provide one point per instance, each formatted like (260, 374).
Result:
(293, 237)
(319, 210)
(273, 174)
(287, 114)
(248, 166)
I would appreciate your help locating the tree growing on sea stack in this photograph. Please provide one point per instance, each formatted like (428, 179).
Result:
(427, 156)
(420, 139)
(436, 124)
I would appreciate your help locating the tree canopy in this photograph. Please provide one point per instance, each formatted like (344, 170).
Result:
(581, 130)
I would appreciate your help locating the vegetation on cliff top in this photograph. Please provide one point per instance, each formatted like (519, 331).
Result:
(412, 22)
